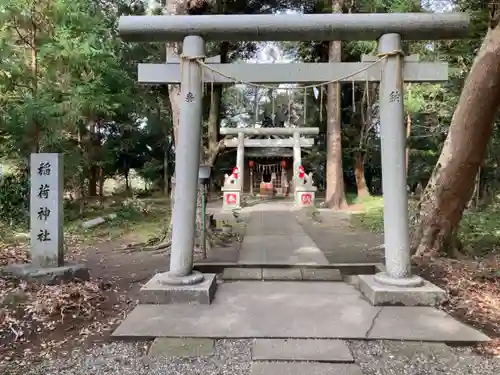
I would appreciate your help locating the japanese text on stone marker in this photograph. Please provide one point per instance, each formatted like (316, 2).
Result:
(43, 213)
(44, 169)
(43, 235)
(43, 191)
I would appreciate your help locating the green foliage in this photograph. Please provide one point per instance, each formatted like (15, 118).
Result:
(14, 198)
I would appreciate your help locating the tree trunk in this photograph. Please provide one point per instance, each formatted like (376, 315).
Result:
(101, 186)
(359, 174)
(127, 182)
(453, 178)
(35, 147)
(93, 181)
(214, 145)
(335, 197)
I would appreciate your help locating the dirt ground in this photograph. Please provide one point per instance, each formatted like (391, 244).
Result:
(37, 321)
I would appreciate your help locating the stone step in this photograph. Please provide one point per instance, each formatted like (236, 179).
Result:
(282, 274)
(300, 350)
(304, 368)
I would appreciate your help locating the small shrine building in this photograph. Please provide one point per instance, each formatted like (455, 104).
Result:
(268, 158)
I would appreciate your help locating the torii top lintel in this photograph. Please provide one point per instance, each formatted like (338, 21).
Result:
(295, 27)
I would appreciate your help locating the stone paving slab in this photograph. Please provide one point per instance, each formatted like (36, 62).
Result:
(275, 237)
(181, 347)
(293, 309)
(242, 273)
(282, 249)
(422, 324)
(301, 350)
(253, 309)
(296, 273)
(313, 274)
(304, 368)
(281, 274)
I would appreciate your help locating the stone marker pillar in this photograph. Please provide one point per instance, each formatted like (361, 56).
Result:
(46, 210)
(297, 160)
(393, 142)
(46, 225)
(187, 159)
(240, 159)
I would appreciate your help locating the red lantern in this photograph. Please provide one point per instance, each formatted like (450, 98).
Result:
(250, 164)
(283, 164)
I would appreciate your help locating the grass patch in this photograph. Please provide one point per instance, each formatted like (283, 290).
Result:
(136, 218)
(372, 215)
(139, 219)
(479, 230)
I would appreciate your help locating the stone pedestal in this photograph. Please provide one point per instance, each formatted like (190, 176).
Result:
(232, 199)
(232, 192)
(379, 294)
(305, 191)
(305, 197)
(160, 290)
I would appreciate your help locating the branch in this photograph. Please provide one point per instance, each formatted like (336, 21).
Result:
(23, 38)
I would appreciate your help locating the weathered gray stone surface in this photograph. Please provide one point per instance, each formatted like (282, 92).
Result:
(282, 274)
(387, 295)
(249, 309)
(242, 274)
(421, 324)
(154, 292)
(46, 210)
(304, 368)
(47, 275)
(254, 309)
(314, 274)
(301, 350)
(181, 347)
(273, 236)
(93, 222)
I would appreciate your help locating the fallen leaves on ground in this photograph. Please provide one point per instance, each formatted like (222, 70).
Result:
(30, 310)
(474, 294)
(13, 253)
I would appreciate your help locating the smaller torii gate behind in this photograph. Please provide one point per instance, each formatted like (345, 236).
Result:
(392, 71)
(296, 142)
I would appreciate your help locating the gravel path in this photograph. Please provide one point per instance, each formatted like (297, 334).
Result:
(125, 358)
(413, 358)
(233, 358)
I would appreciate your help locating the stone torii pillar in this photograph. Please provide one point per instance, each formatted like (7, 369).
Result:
(240, 159)
(390, 28)
(297, 158)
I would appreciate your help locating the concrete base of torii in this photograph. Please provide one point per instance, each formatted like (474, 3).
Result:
(162, 289)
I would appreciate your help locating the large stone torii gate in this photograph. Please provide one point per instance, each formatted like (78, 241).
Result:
(388, 28)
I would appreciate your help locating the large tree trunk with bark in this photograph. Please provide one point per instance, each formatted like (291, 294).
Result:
(359, 174)
(172, 49)
(452, 182)
(335, 196)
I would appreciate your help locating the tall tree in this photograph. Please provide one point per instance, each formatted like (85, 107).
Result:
(453, 179)
(335, 196)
